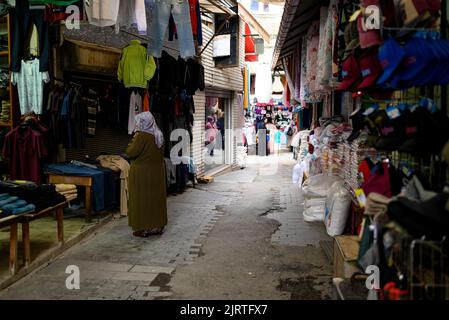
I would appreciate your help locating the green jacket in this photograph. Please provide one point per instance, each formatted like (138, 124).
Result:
(136, 68)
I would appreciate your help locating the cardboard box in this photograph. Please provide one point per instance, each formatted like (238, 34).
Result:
(346, 250)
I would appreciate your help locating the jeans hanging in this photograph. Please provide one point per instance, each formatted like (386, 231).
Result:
(159, 24)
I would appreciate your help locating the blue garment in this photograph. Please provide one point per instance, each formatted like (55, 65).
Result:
(199, 32)
(111, 194)
(97, 177)
(8, 201)
(14, 205)
(277, 137)
(159, 24)
(4, 196)
(28, 208)
(65, 115)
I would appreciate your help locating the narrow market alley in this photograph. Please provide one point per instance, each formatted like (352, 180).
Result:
(240, 237)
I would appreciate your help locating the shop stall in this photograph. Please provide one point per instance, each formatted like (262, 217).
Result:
(68, 105)
(371, 162)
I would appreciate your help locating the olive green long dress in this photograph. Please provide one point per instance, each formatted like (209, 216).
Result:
(147, 186)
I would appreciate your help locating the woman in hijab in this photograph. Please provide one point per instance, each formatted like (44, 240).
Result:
(147, 187)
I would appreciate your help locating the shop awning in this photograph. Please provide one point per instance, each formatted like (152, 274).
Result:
(218, 6)
(297, 17)
(250, 48)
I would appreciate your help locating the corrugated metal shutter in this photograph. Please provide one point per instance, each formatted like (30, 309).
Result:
(198, 131)
(107, 140)
(219, 93)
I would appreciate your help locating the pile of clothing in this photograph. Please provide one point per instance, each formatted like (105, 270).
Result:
(11, 205)
(5, 114)
(118, 164)
(69, 191)
(36, 197)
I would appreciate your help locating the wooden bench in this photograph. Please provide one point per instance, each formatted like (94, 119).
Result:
(12, 223)
(85, 182)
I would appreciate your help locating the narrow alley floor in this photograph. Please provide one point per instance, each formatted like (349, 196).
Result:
(241, 237)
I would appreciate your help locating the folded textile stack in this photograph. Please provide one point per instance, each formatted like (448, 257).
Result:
(42, 197)
(5, 115)
(69, 191)
(12, 205)
(376, 204)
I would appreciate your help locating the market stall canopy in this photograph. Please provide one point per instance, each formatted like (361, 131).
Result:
(250, 48)
(297, 17)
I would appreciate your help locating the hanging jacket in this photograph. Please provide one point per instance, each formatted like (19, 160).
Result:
(135, 68)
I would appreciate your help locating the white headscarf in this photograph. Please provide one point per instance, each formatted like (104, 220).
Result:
(145, 122)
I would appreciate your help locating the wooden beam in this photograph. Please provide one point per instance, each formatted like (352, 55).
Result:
(252, 21)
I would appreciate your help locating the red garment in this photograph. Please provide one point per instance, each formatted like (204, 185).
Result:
(193, 17)
(25, 148)
(179, 108)
(146, 101)
(379, 182)
(365, 169)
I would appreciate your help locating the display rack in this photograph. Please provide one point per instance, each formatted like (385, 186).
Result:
(6, 92)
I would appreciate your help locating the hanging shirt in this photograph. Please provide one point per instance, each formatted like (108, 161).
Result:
(135, 107)
(30, 85)
(25, 148)
(102, 13)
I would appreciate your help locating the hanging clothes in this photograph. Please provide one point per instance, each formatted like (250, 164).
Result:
(25, 149)
(102, 13)
(132, 12)
(30, 86)
(195, 19)
(160, 20)
(135, 68)
(22, 19)
(135, 107)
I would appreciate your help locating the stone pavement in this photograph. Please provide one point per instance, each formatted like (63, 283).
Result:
(242, 237)
(115, 265)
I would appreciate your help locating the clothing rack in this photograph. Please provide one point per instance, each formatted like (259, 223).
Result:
(67, 82)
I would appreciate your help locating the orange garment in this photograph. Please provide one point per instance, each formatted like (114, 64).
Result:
(146, 101)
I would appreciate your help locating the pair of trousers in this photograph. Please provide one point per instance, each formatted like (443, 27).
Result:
(23, 18)
(159, 24)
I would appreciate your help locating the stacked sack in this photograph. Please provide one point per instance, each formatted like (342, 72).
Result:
(69, 191)
(315, 191)
(337, 207)
(12, 205)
